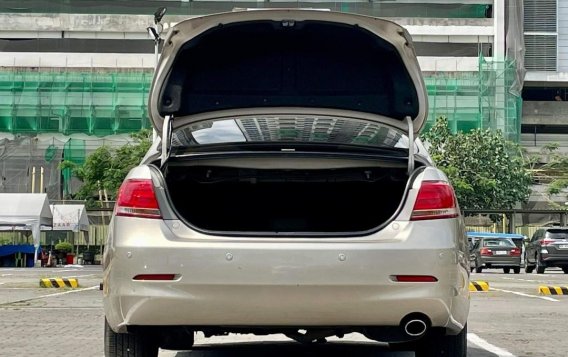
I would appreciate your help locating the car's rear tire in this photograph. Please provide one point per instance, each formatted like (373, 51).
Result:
(517, 270)
(478, 269)
(565, 270)
(540, 267)
(129, 344)
(436, 344)
(506, 270)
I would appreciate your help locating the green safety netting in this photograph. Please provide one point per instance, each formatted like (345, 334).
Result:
(482, 99)
(99, 102)
(105, 102)
(73, 151)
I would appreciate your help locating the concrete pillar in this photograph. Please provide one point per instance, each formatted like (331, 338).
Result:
(499, 29)
(512, 223)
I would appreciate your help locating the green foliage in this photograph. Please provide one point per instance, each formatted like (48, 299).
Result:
(106, 168)
(64, 247)
(487, 171)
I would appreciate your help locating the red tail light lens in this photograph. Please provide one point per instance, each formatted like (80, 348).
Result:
(485, 251)
(136, 198)
(435, 200)
(414, 278)
(547, 241)
(515, 252)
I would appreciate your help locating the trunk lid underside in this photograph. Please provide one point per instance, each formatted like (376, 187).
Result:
(288, 59)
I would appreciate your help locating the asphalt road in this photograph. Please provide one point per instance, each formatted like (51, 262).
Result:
(512, 319)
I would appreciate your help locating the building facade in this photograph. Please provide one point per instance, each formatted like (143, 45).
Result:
(75, 75)
(545, 92)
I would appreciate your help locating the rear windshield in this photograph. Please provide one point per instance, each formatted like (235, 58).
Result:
(289, 129)
(557, 234)
(498, 243)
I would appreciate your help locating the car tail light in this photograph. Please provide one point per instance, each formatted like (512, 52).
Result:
(485, 251)
(547, 241)
(515, 252)
(435, 200)
(136, 198)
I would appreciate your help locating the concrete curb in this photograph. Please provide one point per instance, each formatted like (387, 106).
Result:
(553, 290)
(478, 286)
(58, 283)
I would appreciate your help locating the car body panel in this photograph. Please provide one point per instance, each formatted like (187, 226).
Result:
(246, 282)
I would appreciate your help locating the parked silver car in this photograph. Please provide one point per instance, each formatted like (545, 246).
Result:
(284, 196)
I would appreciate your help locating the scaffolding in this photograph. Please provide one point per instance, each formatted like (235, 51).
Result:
(39, 107)
(95, 103)
(108, 102)
(472, 100)
(31, 164)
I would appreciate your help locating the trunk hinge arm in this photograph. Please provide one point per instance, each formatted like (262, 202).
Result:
(166, 139)
(410, 124)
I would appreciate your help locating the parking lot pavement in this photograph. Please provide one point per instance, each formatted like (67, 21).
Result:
(514, 316)
(510, 320)
(41, 321)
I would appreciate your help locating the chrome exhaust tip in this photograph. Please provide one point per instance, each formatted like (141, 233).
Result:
(415, 328)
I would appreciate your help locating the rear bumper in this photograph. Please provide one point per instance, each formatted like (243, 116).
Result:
(224, 282)
(501, 261)
(555, 259)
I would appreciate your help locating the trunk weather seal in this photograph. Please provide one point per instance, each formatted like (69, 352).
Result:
(239, 234)
(272, 146)
(263, 154)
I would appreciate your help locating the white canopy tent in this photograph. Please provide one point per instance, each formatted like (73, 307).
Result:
(71, 218)
(25, 211)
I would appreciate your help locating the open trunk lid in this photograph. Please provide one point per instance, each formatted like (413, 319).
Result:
(283, 61)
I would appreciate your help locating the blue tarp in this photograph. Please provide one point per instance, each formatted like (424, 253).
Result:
(13, 249)
(9, 255)
(494, 235)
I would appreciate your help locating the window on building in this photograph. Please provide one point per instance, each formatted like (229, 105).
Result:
(541, 35)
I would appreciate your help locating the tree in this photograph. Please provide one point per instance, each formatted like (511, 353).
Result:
(550, 168)
(106, 168)
(487, 171)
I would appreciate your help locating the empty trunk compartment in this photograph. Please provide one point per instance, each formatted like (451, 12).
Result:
(280, 201)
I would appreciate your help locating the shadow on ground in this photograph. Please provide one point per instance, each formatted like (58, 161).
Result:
(255, 349)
